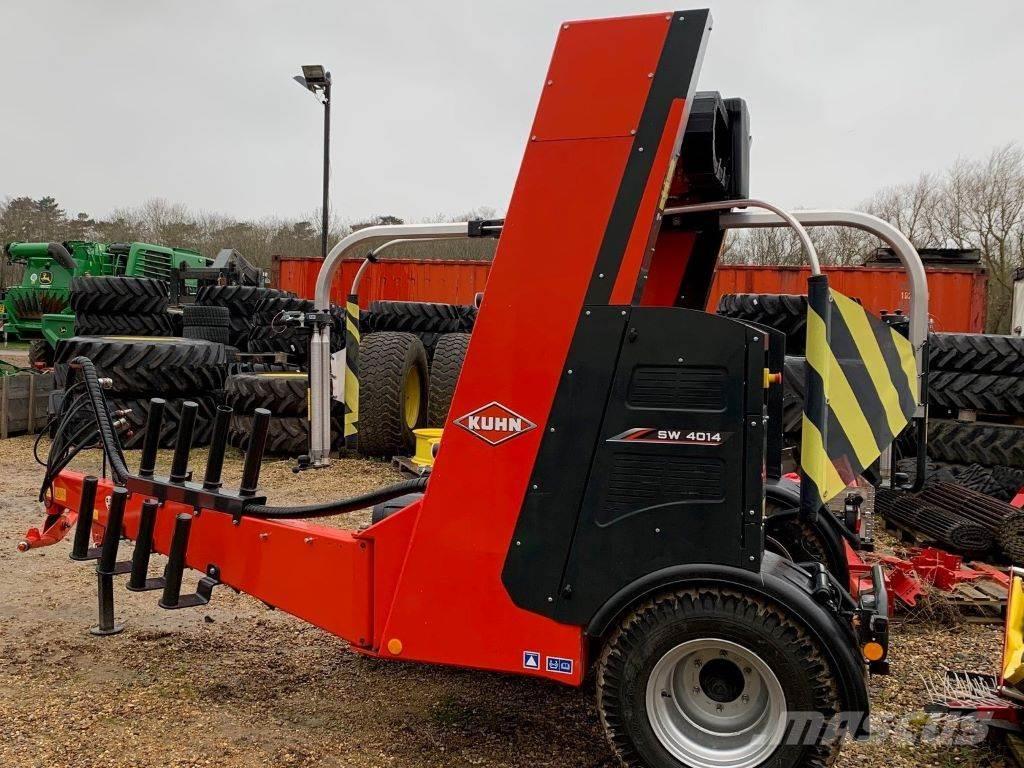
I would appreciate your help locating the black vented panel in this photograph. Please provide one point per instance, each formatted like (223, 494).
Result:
(671, 388)
(640, 481)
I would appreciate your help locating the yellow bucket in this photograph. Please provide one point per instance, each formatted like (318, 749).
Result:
(427, 442)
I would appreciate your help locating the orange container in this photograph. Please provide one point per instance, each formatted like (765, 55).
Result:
(957, 295)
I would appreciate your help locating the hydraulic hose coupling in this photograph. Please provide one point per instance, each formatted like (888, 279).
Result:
(106, 383)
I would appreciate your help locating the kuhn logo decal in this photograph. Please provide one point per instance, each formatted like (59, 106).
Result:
(494, 423)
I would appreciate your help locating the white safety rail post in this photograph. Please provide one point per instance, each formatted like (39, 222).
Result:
(320, 346)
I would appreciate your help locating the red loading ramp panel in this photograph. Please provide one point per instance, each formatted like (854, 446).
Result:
(450, 604)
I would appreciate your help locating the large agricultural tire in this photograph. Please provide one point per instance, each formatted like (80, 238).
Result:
(794, 386)
(273, 305)
(140, 408)
(393, 392)
(976, 353)
(293, 341)
(449, 355)
(159, 324)
(283, 394)
(1011, 537)
(975, 443)
(984, 392)
(241, 300)
(286, 435)
(200, 314)
(40, 353)
(215, 333)
(118, 295)
(148, 366)
(670, 663)
(428, 321)
(783, 312)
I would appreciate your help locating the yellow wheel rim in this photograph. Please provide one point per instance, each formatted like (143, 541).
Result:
(411, 399)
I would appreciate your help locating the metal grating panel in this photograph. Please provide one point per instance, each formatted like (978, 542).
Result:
(677, 388)
(641, 481)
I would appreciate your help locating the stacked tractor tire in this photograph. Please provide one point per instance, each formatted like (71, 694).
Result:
(976, 410)
(410, 357)
(121, 306)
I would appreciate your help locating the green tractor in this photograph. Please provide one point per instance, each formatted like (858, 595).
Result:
(38, 311)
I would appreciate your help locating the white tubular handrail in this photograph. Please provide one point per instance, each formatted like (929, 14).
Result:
(784, 217)
(322, 294)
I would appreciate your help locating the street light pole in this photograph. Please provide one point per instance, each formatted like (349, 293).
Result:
(327, 164)
(316, 80)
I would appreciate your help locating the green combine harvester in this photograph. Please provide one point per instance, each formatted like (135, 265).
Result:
(38, 311)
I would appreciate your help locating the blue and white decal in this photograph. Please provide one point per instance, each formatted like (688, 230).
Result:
(559, 665)
(531, 660)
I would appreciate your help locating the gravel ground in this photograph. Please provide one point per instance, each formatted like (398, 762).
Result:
(236, 684)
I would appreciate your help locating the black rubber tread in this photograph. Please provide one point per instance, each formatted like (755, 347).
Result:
(116, 295)
(272, 305)
(241, 300)
(976, 353)
(283, 394)
(1008, 482)
(799, 540)
(977, 478)
(40, 353)
(985, 392)
(935, 471)
(177, 323)
(282, 338)
(286, 435)
(976, 443)
(445, 367)
(200, 314)
(148, 366)
(214, 333)
(385, 361)
(418, 317)
(660, 624)
(159, 324)
(783, 312)
(1011, 537)
(172, 418)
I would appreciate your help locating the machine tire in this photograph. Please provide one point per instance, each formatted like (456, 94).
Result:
(40, 353)
(760, 634)
(976, 353)
(118, 295)
(977, 391)
(783, 312)
(201, 315)
(274, 305)
(291, 340)
(241, 300)
(149, 366)
(215, 333)
(283, 394)
(794, 385)
(172, 418)
(393, 392)
(416, 316)
(445, 368)
(160, 324)
(802, 542)
(1011, 537)
(974, 443)
(286, 435)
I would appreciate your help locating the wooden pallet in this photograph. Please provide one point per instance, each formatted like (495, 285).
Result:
(23, 401)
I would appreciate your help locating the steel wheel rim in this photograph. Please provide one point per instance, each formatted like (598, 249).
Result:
(713, 703)
(412, 398)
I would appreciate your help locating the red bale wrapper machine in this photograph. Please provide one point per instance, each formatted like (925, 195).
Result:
(598, 501)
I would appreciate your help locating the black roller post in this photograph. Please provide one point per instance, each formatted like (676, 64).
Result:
(106, 568)
(138, 581)
(215, 461)
(83, 528)
(175, 569)
(112, 535)
(182, 446)
(254, 456)
(151, 440)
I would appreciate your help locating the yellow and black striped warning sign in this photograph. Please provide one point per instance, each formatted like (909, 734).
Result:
(861, 389)
(351, 382)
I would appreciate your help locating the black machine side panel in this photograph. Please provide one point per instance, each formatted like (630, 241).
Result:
(677, 474)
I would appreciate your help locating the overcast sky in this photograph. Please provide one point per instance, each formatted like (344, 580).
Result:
(106, 104)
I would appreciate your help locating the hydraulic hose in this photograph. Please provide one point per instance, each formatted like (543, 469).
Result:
(60, 254)
(339, 507)
(108, 436)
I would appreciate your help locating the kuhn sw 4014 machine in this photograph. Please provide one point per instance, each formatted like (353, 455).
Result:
(597, 506)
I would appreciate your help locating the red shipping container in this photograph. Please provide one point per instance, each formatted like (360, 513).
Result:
(957, 295)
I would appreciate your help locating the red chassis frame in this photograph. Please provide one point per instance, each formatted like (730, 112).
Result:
(425, 584)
